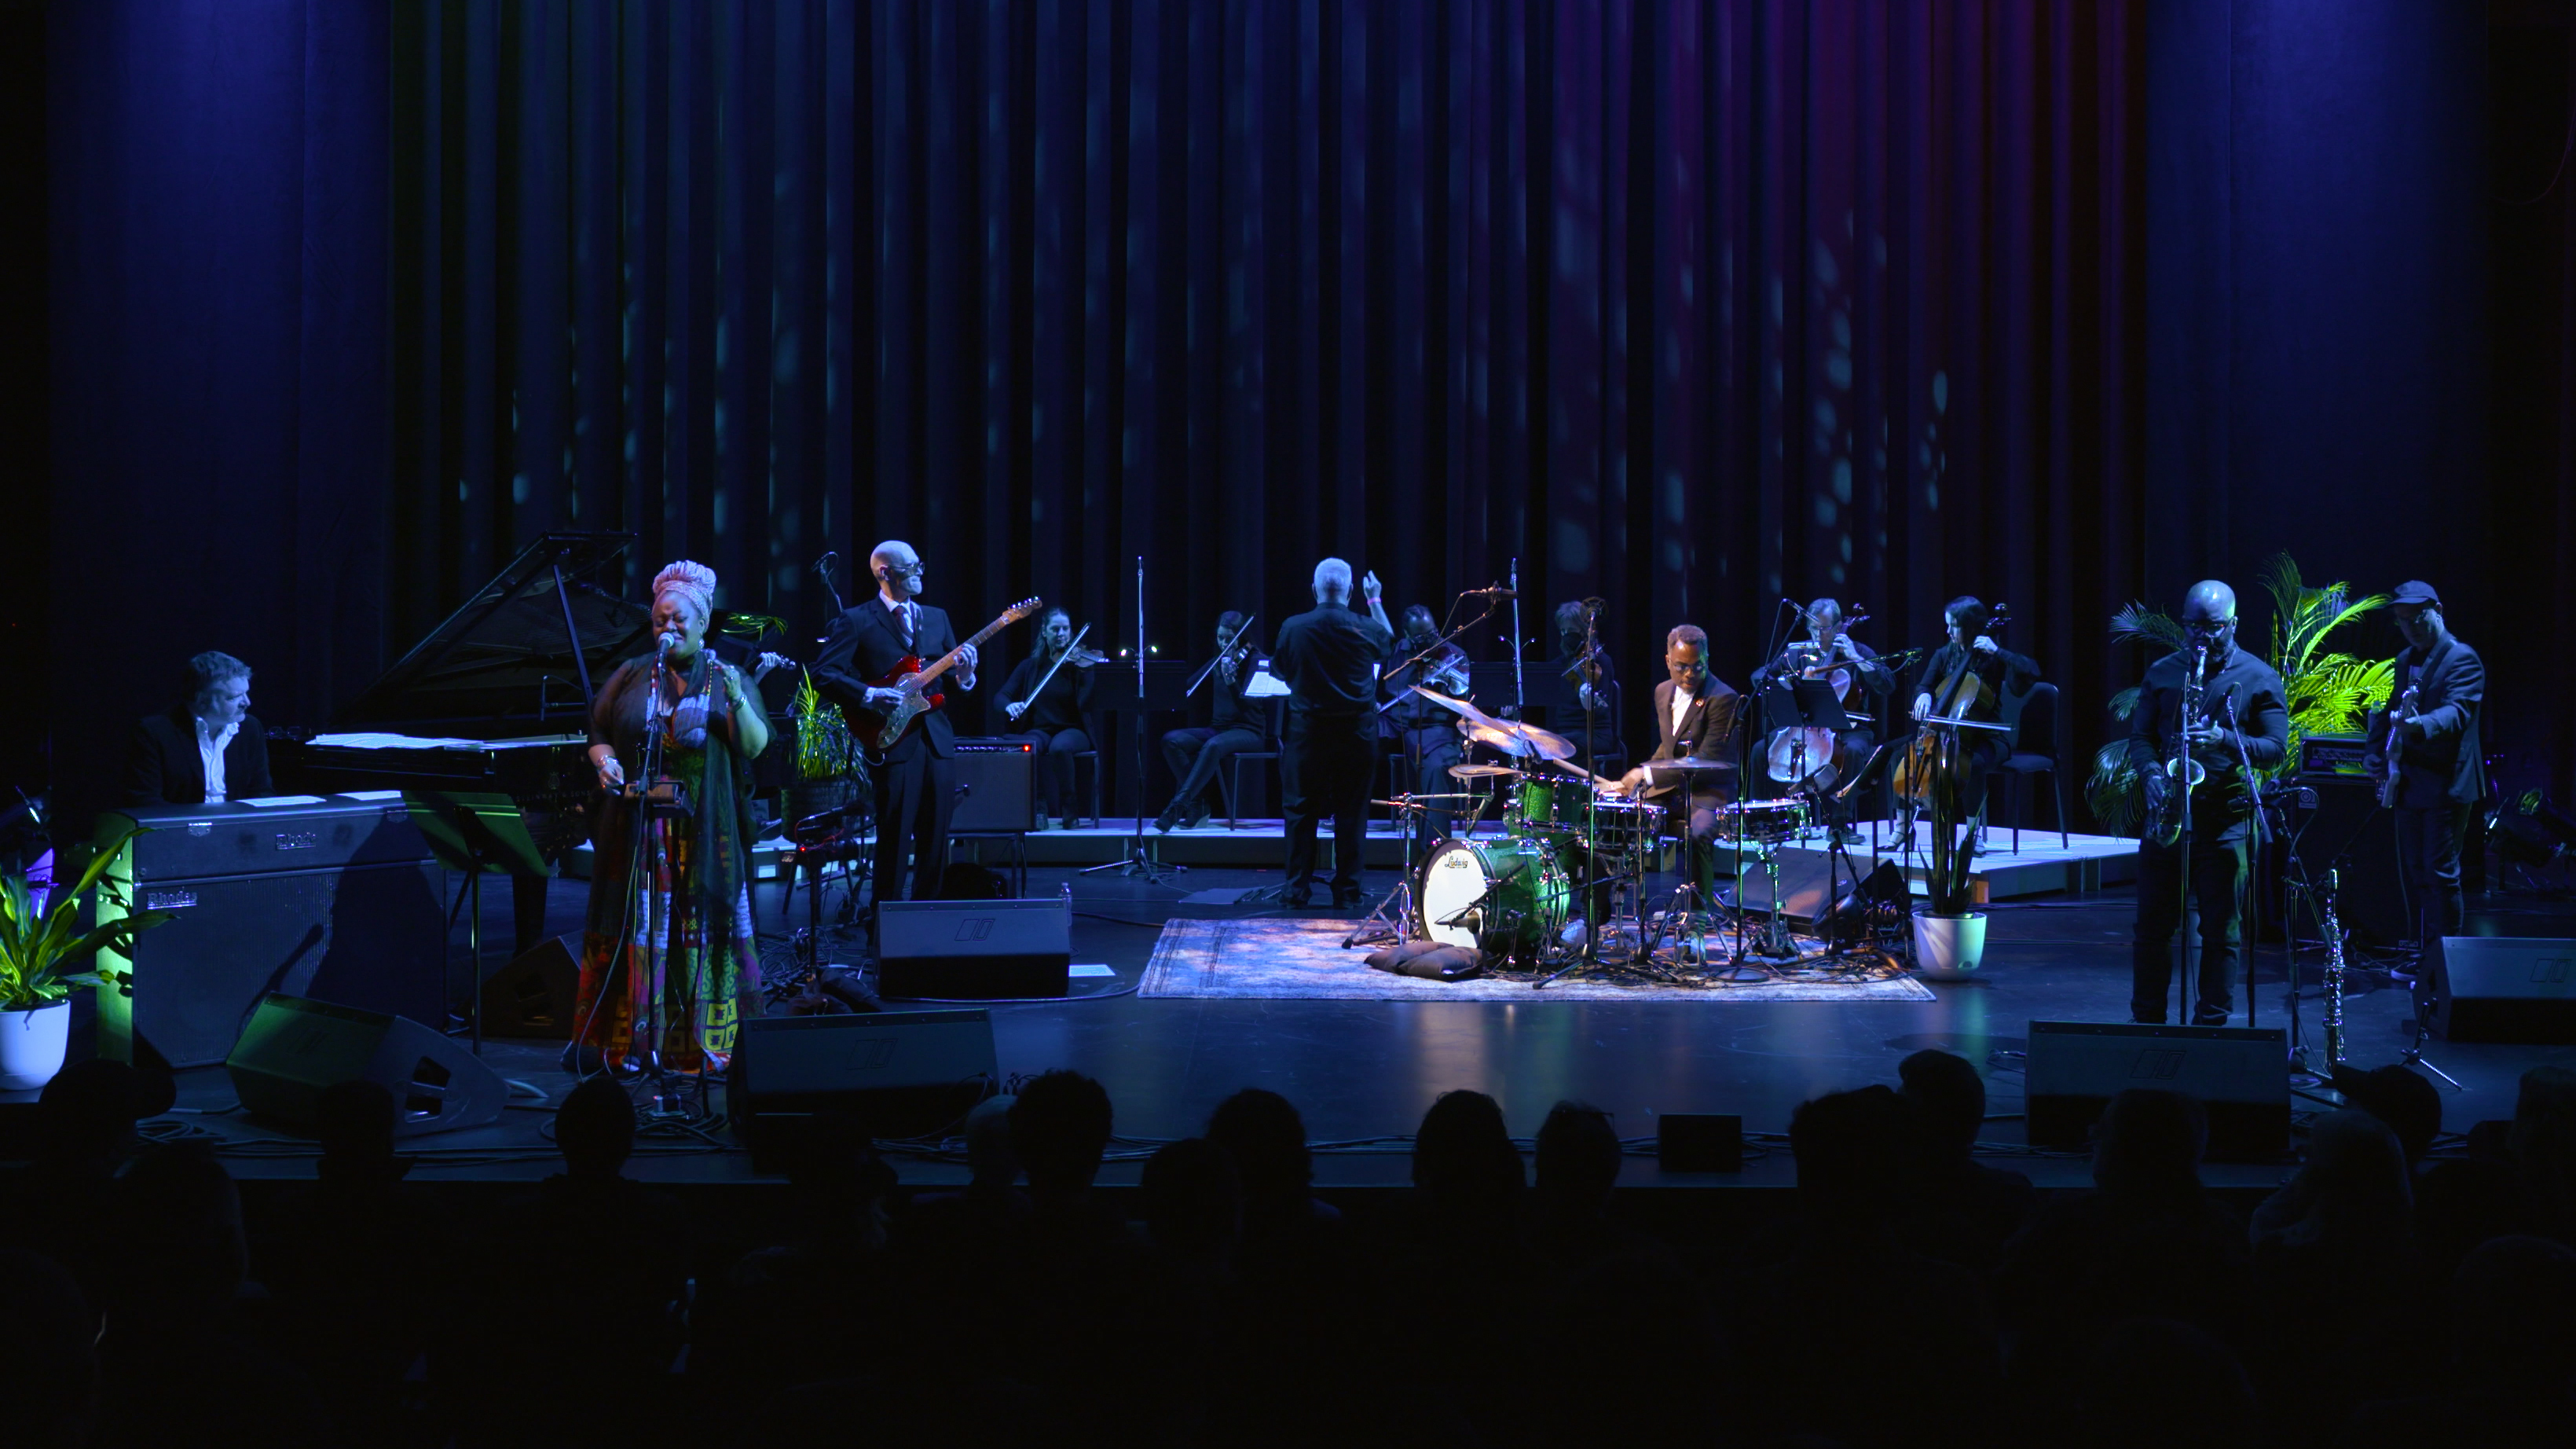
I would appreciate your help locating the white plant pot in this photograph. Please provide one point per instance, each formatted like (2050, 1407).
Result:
(1949, 948)
(31, 1045)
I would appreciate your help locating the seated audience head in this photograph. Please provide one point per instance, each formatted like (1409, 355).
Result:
(181, 1219)
(1578, 1156)
(1332, 582)
(1059, 1128)
(1267, 1140)
(1851, 1151)
(2148, 1144)
(2410, 1105)
(49, 1375)
(2510, 1322)
(1464, 1152)
(86, 1114)
(989, 1159)
(2359, 1174)
(1193, 1199)
(355, 1121)
(1949, 1100)
(595, 1129)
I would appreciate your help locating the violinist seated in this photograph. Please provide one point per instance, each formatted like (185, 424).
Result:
(1236, 723)
(1695, 719)
(1427, 732)
(1970, 678)
(1044, 699)
(1828, 652)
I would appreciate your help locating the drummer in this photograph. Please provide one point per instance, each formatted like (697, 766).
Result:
(1695, 720)
(1427, 733)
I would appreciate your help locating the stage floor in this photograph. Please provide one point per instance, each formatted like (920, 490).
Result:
(1365, 1069)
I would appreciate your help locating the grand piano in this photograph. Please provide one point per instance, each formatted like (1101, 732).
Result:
(496, 700)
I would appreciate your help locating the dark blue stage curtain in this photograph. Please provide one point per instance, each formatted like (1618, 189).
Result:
(1688, 305)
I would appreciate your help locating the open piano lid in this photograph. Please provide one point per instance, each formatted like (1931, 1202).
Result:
(480, 673)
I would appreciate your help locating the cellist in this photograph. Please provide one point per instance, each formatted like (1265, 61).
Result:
(1970, 678)
(1860, 681)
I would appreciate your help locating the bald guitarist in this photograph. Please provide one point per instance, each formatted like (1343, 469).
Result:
(915, 778)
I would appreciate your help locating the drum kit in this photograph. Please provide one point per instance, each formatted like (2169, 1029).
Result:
(1570, 843)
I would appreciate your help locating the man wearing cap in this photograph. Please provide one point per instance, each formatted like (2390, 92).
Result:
(2441, 766)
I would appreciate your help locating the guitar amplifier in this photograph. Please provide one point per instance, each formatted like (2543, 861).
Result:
(338, 900)
(996, 786)
(2349, 833)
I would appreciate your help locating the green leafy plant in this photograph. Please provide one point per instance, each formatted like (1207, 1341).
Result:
(2329, 692)
(41, 951)
(825, 748)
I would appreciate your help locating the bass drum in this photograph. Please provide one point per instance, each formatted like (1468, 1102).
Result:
(1502, 897)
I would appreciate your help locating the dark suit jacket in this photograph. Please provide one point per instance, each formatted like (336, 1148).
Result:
(2448, 761)
(162, 767)
(1708, 726)
(866, 643)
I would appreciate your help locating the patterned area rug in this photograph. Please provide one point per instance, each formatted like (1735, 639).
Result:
(1275, 958)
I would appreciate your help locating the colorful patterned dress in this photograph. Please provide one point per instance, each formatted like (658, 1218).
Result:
(670, 895)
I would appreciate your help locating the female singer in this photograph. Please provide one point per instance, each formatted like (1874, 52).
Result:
(1051, 718)
(674, 731)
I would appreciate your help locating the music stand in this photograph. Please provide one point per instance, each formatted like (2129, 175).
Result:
(1125, 690)
(477, 834)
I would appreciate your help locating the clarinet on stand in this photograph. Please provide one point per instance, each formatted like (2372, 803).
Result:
(2332, 1025)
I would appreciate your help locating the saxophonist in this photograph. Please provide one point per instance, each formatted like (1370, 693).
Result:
(2224, 711)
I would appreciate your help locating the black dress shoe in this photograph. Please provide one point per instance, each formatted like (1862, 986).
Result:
(1199, 815)
(1297, 900)
(2212, 1018)
(1348, 900)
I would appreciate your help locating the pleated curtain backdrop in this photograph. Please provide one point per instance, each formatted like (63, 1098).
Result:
(1687, 305)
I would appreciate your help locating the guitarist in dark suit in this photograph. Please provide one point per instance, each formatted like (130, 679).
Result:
(1694, 718)
(209, 746)
(2441, 775)
(916, 780)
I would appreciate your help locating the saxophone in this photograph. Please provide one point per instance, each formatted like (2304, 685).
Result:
(2183, 773)
(2334, 978)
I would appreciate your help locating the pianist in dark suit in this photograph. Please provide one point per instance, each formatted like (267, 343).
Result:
(916, 779)
(668, 952)
(207, 747)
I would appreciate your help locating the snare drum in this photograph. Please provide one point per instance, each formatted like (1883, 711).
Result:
(1621, 826)
(1502, 897)
(1768, 822)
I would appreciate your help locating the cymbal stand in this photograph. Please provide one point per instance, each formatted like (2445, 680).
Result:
(1388, 923)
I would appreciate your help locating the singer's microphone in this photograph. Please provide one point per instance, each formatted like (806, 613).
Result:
(663, 641)
(1498, 591)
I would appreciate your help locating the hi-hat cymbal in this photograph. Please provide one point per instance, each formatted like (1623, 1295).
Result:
(1693, 762)
(1522, 741)
(1480, 772)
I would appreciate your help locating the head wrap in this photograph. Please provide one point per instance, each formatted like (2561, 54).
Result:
(694, 582)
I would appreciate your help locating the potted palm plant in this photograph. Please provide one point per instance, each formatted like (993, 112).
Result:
(829, 772)
(2329, 692)
(44, 955)
(1949, 935)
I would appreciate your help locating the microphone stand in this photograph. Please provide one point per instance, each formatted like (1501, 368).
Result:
(1139, 861)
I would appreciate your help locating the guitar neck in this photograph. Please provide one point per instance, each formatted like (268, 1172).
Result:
(948, 661)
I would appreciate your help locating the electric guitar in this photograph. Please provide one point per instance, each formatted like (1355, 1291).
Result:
(879, 733)
(2393, 783)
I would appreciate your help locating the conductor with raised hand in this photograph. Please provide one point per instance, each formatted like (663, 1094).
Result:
(1328, 658)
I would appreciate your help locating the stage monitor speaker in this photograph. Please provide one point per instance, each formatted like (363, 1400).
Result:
(2240, 1075)
(537, 994)
(996, 786)
(901, 1073)
(295, 1049)
(2349, 833)
(2520, 990)
(1699, 1142)
(1803, 876)
(974, 950)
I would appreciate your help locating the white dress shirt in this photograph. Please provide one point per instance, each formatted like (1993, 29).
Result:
(210, 749)
(1681, 707)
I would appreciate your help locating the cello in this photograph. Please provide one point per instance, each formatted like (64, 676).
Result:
(1814, 744)
(1934, 760)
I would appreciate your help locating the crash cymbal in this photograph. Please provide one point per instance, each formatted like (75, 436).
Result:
(1521, 741)
(1457, 706)
(1480, 772)
(1693, 763)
